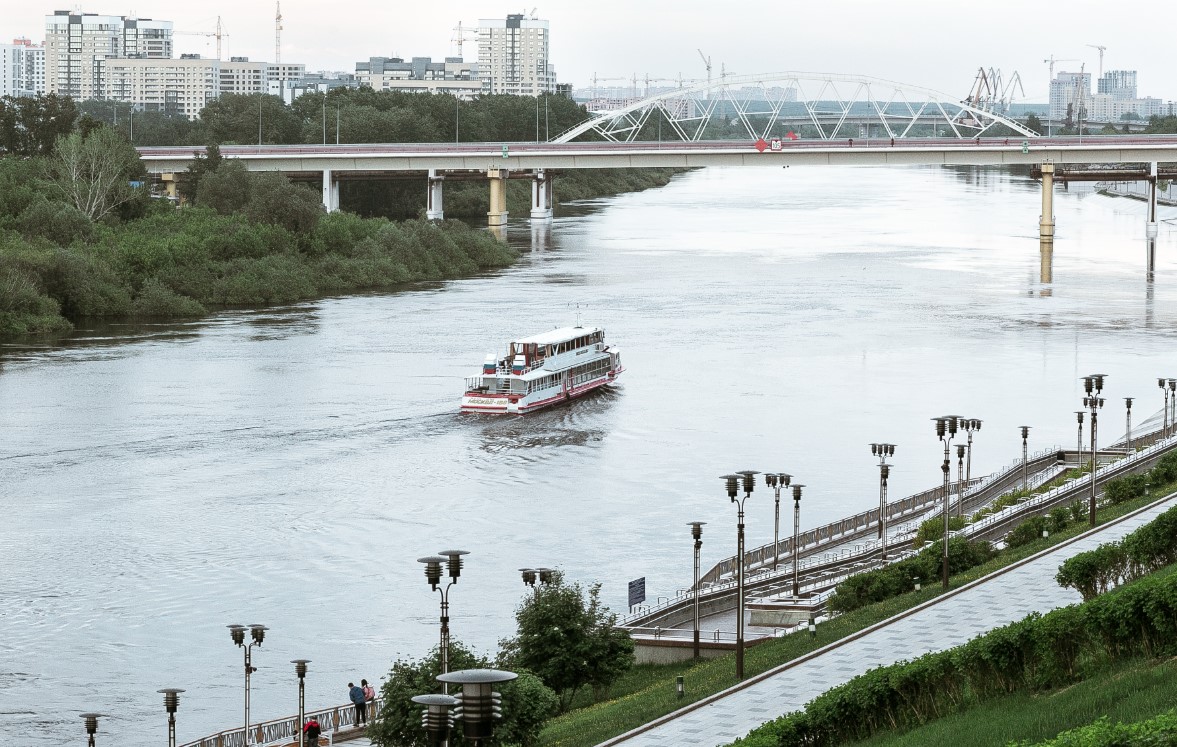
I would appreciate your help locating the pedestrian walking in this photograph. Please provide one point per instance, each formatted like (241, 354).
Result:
(369, 692)
(356, 695)
(311, 730)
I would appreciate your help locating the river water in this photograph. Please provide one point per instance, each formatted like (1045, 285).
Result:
(287, 466)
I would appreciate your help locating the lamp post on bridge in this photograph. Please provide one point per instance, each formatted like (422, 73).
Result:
(882, 451)
(171, 701)
(697, 535)
(1025, 457)
(776, 481)
(1093, 386)
(732, 483)
(969, 425)
(796, 525)
(1079, 444)
(960, 449)
(1128, 422)
(300, 669)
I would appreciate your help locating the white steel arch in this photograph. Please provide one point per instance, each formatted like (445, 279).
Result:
(829, 103)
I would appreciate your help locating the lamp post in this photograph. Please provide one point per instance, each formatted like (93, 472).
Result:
(960, 449)
(1128, 422)
(1093, 386)
(697, 535)
(1165, 416)
(300, 668)
(478, 704)
(1079, 444)
(91, 725)
(171, 700)
(969, 425)
(796, 525)
(257, 633)
(1025, 457)
(882, 451)
(532, 575)
(1172, 404)
(946, 427)
(453, 561)
(732, 482)
(437, 718)
(776, 481)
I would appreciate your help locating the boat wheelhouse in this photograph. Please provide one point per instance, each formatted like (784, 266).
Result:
(543, 370)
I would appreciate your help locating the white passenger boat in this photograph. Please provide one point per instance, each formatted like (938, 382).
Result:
(543, 370)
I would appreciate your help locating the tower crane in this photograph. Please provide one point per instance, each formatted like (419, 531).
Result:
(1101, 49)
(278, 32)
(461, 37)
(218, 34)
(596, 79)
(1049, 103)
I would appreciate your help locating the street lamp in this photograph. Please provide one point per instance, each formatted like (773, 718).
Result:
(437, 718)
(882, 451)
(697, 535)
(171, 699)
(257, 633)
(453, 561)
(1128, 422)
(91, 725)
(1172, 404)
(969, 425)
(796, 524)
(1079, 446)
(300, 668)
(732, 482)
(532, 575)
(1093, 386)
(478, 705)
(946, 427)
(960, 449)
(776, 481)
(1025, 457)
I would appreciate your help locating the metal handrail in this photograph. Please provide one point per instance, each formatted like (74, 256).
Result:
(285, 730)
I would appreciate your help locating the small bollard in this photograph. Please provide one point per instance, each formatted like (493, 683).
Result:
(1045, 534)
(916, 579)
(678, 686)
(813, 627)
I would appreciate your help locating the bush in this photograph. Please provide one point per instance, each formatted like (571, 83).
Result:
(1145, 550)
(1028, 531)
(156, 299)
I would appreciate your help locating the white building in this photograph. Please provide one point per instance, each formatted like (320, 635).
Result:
(78, 45)
(1069, 89)
(421, 75)
(514, 56)
(281, 76)
(22, 68)
(1107, 108)
(1119, 84)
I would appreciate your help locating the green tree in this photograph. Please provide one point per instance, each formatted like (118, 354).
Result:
(202, 165)
(1033, 122)
(527, 702)
(32, 125)
(239, 119)
(569, 638)
(94, 173)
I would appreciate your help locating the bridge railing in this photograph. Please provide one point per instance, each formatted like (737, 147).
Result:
(285, 730)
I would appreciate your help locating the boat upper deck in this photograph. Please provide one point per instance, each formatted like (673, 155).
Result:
(559, 335)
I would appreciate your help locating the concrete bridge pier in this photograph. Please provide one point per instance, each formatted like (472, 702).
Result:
(1046, 226)
(541, 195)
(433, 204)
(1150, 226)
(497, 215)
(330, 192)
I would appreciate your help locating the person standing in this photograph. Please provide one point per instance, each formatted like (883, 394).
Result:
(369, 692)
(312, 730)
(356, 695)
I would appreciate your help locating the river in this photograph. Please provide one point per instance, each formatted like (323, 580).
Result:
(287, 466)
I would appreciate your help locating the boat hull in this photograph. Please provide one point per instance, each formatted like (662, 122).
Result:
(504, 404)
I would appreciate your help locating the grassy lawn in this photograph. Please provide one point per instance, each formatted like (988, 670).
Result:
(647, 692)
(1134, 691)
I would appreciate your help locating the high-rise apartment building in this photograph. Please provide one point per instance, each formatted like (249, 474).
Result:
(514, 56)
(78, 45)
(22, 68)
(1069, 89)
(1119, 84)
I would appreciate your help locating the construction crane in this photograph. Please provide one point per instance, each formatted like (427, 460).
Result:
(707, 62)
(596, 80)
(1101, 49)
(278, 33)
(218, 34)
(1049, 103)
(461, 36)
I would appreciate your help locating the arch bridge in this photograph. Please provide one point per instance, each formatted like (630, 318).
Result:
(828, 106)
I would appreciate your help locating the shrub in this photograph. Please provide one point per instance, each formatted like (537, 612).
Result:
(1150, 547)
(156, 299)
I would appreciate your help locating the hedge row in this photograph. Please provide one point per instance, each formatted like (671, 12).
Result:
(898, 578)
(1036, 653)
(1161, 730)
(1150, 547)
(1059, 518)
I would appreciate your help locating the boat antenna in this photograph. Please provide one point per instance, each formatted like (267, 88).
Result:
(578, 316)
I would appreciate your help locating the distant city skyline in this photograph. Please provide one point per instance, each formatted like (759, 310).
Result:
(917, 42)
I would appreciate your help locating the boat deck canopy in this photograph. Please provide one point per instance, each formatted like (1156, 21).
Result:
(563, 334)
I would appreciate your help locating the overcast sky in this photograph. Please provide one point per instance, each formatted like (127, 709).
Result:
(935, 44)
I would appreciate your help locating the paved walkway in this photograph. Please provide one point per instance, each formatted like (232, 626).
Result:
(937, 625)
